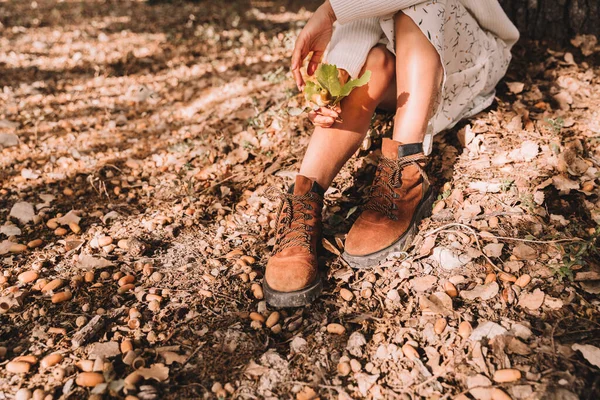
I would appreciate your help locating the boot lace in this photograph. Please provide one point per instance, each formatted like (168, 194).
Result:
(381, 196)
(292, 230)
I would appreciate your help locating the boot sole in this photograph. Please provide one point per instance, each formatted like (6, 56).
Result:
(397, 248)
(297, 298)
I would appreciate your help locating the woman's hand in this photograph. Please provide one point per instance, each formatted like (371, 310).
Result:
(324, 117)
(315, 37)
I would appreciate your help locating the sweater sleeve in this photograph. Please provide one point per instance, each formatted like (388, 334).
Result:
(351, 43)
(351, 10)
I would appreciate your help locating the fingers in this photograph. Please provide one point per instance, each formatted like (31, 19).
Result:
(300, 52)
(323, 117)
(328, 112)
(314, 62)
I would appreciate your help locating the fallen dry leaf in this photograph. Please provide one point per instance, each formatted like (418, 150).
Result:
(532, 301)
(483, 292)
(589, 352)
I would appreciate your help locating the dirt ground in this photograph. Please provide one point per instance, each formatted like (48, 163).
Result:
(135, 142)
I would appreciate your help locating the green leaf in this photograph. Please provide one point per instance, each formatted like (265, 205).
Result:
(310, 90)
(354, 83)
(328, 77)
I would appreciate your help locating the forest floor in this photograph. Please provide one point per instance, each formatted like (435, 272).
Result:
(135, 143)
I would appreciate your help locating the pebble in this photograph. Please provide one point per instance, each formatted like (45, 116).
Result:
(126, 288)
(89, 276)
(440, 326)
(89, 379)
(61, 297)
(257, 291)
(126, 280)
(17, 248)
(50, 360)
(75, 228)
(52, 224)
(104, 241)
(156, 277)
(80, 321)
(147, 269)
(39, 394)
(506, 277)
(249, 260)
(60, 231)
(273, 319)
(18, 367)
(126, 346)
(154, 306)
(254, 316)
(499, 394)
(28, 359)
(355, 365)
(27, 276)
(465, 329)
(346, 294)
(336, 329)
(410, 352)
(523, 280)
(507, 375)
(439, 206)
(343, 368)
(35, 243)
(234, 253)
(489, 278)
(133, 323)
(450, 289)
(229, 388)
(23, 394)
(53, 285)
(59, 374)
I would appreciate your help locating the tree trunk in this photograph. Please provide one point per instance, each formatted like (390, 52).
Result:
(554, 20)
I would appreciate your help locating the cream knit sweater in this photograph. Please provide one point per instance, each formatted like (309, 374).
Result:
(358, 28)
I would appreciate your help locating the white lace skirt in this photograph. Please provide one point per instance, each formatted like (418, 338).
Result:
(474, 60)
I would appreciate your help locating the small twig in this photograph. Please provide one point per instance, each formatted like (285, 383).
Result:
(219, 183)
(476, 234)
(540, 241)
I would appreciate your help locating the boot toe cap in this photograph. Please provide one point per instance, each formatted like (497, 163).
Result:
(368, 237)
(289, 274)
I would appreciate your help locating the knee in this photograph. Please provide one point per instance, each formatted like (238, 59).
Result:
(381, 63)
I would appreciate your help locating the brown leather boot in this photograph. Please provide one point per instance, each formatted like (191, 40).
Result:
(398, 199)
(292, 274)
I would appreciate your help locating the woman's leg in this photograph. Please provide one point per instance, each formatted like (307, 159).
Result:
(330, 148)
(419, 75)
(400, 195)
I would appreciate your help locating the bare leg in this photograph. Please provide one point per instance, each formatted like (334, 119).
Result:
(419, 75)
(330, 148)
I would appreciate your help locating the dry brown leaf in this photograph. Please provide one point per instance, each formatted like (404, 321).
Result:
(532, 301)
(483, 292)
(524, 252)
(589, 352)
